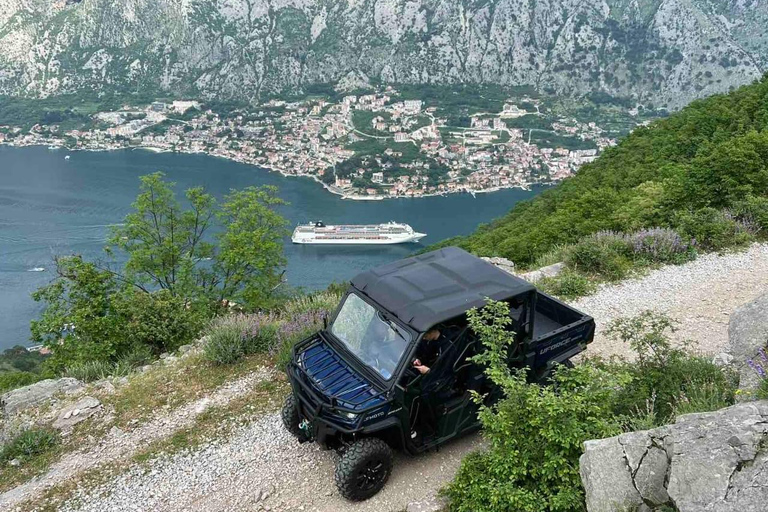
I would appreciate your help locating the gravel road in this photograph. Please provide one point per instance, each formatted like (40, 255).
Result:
(261, 467)
(701, 295)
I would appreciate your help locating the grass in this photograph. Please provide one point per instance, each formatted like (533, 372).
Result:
(215, 423)
(34, 449)
(167, 387)
(218, 422)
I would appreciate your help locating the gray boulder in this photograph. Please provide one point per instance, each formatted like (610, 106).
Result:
(548, 271)
(34, 394)
(502, 263)
(77, 412)
(707, 462)
(747, 333)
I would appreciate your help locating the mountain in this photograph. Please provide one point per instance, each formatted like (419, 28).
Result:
(703, 171)
(659, 52)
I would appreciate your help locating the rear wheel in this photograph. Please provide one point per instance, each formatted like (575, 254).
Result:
(363, 469)
(290, 415)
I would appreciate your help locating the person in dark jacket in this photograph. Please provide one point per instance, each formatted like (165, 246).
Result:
(432, 345)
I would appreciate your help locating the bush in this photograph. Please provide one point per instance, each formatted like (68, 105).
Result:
(569, 284)
(716, 230)
(661, 245)
(160, 320)
(13, 380)
(605, 253)
(90, 371)
(28, 444)
(225, 343)
(674, 381)
(535, 433)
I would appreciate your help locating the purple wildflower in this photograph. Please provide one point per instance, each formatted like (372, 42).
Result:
(763, 355)
(757, 368)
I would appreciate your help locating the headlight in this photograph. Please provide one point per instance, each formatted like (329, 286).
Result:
(350, 415)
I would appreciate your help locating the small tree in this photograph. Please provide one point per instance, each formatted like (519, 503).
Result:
(173, 249)
(181, 266)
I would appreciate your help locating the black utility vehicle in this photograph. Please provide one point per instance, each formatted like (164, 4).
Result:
(356, 387)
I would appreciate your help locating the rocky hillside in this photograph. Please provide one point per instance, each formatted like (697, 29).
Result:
(660, 52)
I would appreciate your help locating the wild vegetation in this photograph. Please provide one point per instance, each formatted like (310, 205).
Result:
(702, 172)
(168, 270)
(535, 432)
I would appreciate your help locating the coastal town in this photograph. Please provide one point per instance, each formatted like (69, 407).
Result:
(369, 146)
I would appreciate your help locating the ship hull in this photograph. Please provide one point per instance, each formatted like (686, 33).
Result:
(334, 241)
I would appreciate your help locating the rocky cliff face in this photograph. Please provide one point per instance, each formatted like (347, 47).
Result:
(666, 52)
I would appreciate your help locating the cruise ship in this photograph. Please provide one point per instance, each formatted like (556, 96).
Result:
(389, 233)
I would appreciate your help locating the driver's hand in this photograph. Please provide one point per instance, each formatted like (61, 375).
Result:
(420, 367)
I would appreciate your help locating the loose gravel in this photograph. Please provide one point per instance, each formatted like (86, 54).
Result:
(119, 445)
(261, 467)
(700, 295)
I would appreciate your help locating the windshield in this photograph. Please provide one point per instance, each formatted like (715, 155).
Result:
(376, 341)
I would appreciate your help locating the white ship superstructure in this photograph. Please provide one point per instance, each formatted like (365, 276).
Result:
(389, 233)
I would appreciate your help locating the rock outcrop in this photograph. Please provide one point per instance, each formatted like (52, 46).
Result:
(29, 396)
(77, 412)
(706, 462)
(661, 53)
(747, 334)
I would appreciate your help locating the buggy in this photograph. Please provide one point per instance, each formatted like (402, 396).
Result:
(354, 385)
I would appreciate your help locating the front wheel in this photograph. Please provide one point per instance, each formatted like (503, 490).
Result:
(290, 416)
(363, 469)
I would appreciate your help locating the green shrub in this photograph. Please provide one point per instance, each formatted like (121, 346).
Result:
(13, 380)
(318, 302)
(569, 284)
(233, 336)
(605, 253)
(160, 320)
(28, 444)
(675, 381)
(90, 371)
(762, 391)
(137, 356)
(714, 229)
(702, 397)
(224, 344)
(535, 433)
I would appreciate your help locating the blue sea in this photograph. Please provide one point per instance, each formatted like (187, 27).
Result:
(51, 206)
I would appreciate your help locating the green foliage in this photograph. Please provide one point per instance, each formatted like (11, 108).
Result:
(18, 358)
(666, 381)
(232, 337)
(535, 433)
(715, 229)
(28, 444)
(159, 321)
(174, 280)
(16, 379)
(89, 371)
(167, 246)
(712, 154)
(608, 256)
(225, 344)
(569, 284)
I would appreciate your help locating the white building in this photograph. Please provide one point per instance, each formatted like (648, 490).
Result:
(413, 106)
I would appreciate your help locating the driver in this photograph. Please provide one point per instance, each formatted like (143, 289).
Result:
(432, 344)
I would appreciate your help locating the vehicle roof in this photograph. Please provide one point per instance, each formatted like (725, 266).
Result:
(430, 288)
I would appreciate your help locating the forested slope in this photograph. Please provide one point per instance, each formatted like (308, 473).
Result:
(703, 171)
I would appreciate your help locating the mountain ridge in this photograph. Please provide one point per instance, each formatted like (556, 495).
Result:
(661, 52)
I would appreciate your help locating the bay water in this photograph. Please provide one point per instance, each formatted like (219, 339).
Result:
(52, 205)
